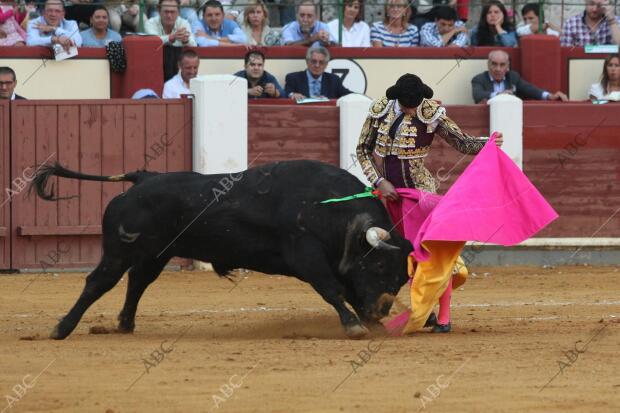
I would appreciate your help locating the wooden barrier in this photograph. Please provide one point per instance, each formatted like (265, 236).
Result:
(572, 154)
(288, 131)
(96, 137)
(7, 187)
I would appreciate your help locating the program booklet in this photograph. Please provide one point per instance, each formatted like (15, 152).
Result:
(61, 54)
(312, 100)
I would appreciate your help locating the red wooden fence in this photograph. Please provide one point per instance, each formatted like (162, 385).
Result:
(5, 182)
(282, 132)
(571, 153)
(99, 137)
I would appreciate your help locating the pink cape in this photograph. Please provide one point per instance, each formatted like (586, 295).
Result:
(491, 202)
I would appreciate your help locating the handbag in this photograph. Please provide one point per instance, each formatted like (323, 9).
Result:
(116, 55)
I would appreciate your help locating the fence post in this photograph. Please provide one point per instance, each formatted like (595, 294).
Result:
(506, 116)
(353, 112)
(220, 128)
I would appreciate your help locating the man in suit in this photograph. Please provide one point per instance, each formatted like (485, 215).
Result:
(314, 81)
(500, 79)
(8, 81)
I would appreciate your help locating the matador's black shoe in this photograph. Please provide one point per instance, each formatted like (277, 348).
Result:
(442, 328)
(431, 321)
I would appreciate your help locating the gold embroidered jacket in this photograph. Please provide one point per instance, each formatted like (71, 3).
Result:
(375, 138)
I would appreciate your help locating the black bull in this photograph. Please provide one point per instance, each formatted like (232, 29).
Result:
(267, 219)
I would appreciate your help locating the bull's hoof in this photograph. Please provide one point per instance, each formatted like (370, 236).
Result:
(123, 329)
(356, 331)
(58, 333)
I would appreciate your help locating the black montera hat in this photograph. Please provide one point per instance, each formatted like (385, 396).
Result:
(409, 90)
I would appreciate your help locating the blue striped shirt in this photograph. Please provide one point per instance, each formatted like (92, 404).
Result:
(379, 32)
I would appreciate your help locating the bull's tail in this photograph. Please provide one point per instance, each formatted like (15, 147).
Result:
(46, 171)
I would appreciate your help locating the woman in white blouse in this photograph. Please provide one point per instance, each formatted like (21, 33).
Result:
(355, 32)
(610, 79)
(256, 25)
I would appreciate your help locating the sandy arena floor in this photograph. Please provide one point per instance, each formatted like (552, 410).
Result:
(272, 345)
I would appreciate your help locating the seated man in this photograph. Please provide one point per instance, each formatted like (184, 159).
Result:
(314, 81)
(446, 31)
(215, 30)
(531, 13)
(51, 28)
(261, 84)
(171, 28)
(500, 79)
(307, 30)
(597, 25)
(188, 69)
(8, 81)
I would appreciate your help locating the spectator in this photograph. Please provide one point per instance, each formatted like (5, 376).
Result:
(8, 81)
(446, 31)
(215, 30)
(99, 35)
(314, 81)
(355, 31)
(395, 30)
(51, 28)
(597, 25)
(188, 69)
(494, 28)
(530, 13)
(256, 25)
(171, 28)
(307, 30)
(500, 79)
(610, 79)
(261, 84)
(10, 17)
(187, 10)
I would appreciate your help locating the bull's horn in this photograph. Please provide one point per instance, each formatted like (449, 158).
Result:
(376, 238)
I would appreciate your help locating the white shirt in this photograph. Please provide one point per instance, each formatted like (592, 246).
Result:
(598, 92)
(526, 30)
(174, 88)
(357, 36)
(153, 26)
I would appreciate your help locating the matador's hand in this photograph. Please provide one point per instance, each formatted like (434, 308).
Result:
(499, 139)
(388, 190)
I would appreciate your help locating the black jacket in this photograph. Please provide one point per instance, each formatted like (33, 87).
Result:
(331, 85)
(482, 87)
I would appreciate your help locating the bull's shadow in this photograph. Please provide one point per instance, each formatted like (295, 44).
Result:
(268, 219)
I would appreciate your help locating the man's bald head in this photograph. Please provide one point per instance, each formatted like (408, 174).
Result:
(498, 64)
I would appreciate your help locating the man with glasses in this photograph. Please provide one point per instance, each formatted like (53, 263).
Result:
(8, 81)
(307, 30)
(596, 25)
(314, 81)
(171, 28)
